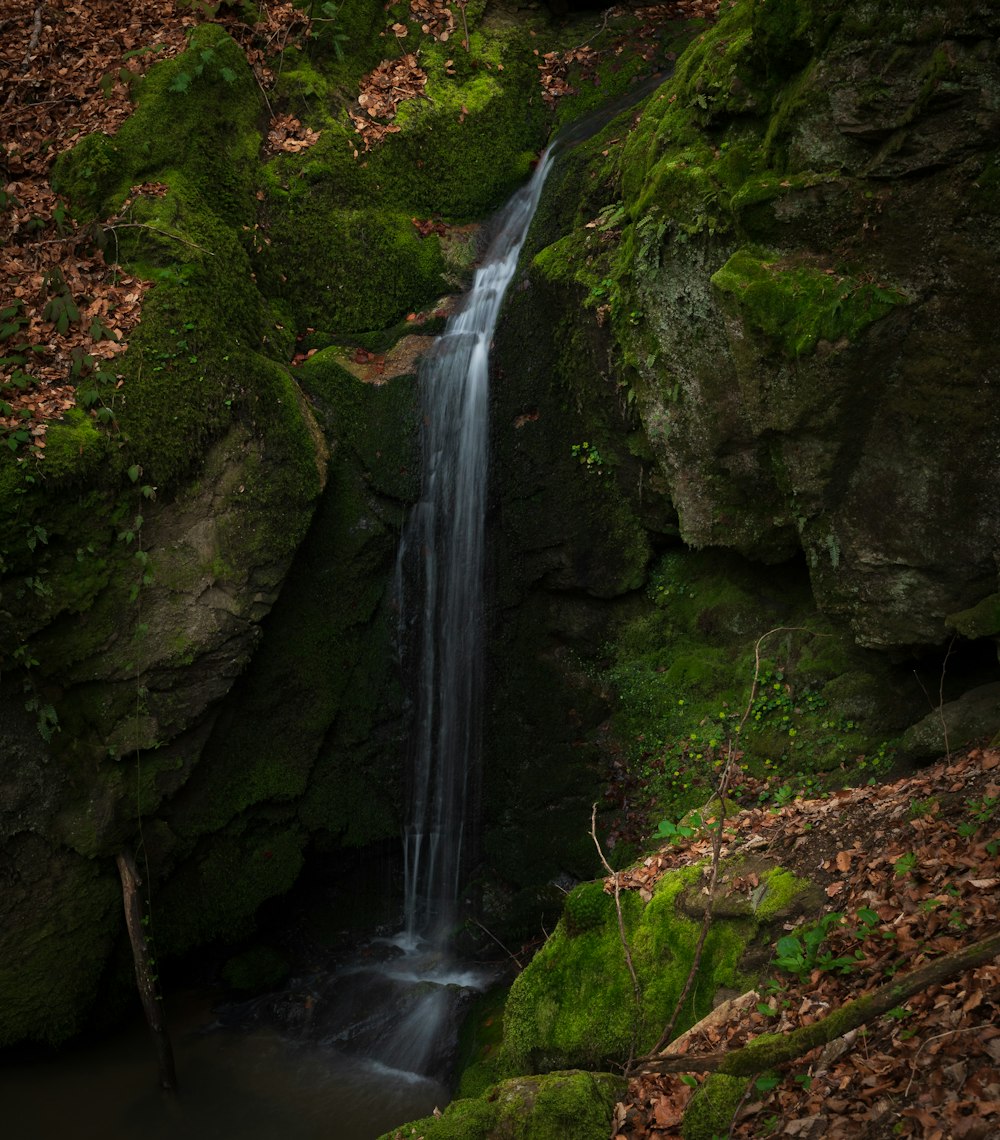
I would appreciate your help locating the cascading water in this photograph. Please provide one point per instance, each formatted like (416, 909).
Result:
(364, 1044)
(440, 572)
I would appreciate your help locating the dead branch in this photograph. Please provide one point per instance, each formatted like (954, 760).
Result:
(145, 979)
(465, 27)
(116, 226)
(36, 35)
(723, 789)
(944, 720)
(770, 1050)
(489, 934)
(636, 988)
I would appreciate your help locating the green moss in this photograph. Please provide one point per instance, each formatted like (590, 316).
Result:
(215, 893)
(683, 669)
(52, 957)
(574, 1004)
(800, 304)
(479, 1043)
(348, 270)
(75, 449)
(196, 112)
(552, 1107)
(305, 723)
(982, 620)
(782, 887)
(587, 906)
(712, 1108)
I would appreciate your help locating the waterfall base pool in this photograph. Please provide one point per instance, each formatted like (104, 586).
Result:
(235, 1084)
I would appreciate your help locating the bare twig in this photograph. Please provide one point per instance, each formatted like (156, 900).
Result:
(489, 933)
(636, 988)
(936, 1037)
(706, 922)
(36, 35)
(461, 7)
(115, 226)
(723, 789)
(939, 707)
(614, 10)
(944, 723)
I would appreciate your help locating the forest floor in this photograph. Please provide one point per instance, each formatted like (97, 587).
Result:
(910, 871)
(69, 68)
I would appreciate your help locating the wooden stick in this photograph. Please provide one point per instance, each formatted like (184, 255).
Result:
(636, 988)
(770, 1050)
(36, 35)
(144, 977)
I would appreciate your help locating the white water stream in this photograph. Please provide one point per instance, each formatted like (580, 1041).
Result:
(440, 576)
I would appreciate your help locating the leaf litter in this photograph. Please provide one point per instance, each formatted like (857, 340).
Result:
(66, 70)
(913, 869)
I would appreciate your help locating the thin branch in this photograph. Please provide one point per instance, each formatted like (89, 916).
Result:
(461, 7)
(723, 789)
(636, 988)
(116, 226)
(768, 1051)
(489, 933)
(36, 35)
(936, 1037)
(944, 722)
(706, 921)
(608, 13)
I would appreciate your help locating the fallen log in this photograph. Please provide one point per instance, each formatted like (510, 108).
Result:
(770, 1049)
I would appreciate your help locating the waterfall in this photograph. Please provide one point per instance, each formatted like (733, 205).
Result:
(440, 571)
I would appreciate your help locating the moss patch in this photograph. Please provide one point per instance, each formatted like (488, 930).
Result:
(799, 305)
(552, 1107)
(574, 1004)
(683, 671)
(712, 1108)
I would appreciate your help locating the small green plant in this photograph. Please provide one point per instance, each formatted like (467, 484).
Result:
(982, 812)
(905, 863)
(803, 952)
(678, 832)
(921, 808)
(588, 456)
(334, 35)
(206, 60)
(870, 925)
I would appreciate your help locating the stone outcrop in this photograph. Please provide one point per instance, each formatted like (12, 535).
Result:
(812, 218)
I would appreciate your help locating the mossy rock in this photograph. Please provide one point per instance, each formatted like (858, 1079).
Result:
(575, 1002)
(54, 948)
(980, 620)
(710, 1111)
(550, 1107)
(800, 305)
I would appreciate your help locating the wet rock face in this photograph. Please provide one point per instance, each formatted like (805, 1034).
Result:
(856, 421)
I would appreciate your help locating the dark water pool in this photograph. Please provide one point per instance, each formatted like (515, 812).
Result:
(234, 1085)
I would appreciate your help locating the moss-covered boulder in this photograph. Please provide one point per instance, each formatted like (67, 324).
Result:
(550, 1107)
(576, 1003)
